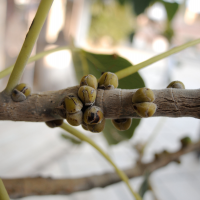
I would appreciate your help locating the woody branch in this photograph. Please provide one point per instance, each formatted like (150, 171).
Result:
(115, 103)
(22, 187)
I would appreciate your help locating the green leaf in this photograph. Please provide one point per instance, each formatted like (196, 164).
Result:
(90, 63)
(145, 185)
(171, 9)
(141, 5)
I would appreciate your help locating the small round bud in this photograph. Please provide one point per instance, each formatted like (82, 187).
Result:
(20, 92)
(176, 84)
(108, 81)
(93, 115)
(89, 80)
(73, 104)
(87, 95)
(97, 128)
(146, 109)
(54, 123)
(143, 95)
(185, 141)
(75, 119)
(122, 124)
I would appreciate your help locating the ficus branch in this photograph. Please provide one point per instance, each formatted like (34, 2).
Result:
(22, 187)
(116, 104)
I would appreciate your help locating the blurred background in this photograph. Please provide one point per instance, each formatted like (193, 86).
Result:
(133, 29)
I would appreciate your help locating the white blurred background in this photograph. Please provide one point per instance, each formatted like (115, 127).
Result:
(30, 149)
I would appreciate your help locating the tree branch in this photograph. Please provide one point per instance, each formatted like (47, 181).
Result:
(116, 103)
(45, 186)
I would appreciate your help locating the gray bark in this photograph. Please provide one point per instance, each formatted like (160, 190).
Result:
(115, 104)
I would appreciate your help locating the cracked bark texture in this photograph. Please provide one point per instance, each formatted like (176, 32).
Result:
(115, 104)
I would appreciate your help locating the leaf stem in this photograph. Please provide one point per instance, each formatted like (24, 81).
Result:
(83, 137)
(3, 192)
(29, 42)
(38, 56)
(132, 69)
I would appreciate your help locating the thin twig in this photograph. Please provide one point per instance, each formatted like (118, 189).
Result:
(45, 186)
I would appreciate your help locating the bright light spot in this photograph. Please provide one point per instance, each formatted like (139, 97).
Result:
(157, 12)
(189, 16)
(59, 60)
(22, 2)
(55, 20)
(193, 5)
(160, 44)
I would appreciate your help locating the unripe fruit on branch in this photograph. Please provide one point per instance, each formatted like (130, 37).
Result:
(75, 119)
(143, 95)
(93, 115)
(108, 81)
(73, 104)
(97, 128)
(89, 80)
(185, 141)
(176, 84)
(87, 95)
(20, 92)
(54, 123)
(146, 109)
(122, 124)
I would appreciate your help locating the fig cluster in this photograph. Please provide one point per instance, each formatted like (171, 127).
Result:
(142, 102)
(80, 110)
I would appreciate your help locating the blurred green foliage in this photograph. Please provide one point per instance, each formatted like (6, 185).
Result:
(112, 20)
(116, 20)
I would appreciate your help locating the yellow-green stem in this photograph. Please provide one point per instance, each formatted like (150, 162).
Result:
(38, 56)
(83, 137)
(132, 69)
(29, 42)
(3, 192)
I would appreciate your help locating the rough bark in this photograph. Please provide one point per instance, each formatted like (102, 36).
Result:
(45, 186)
(116, 104)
